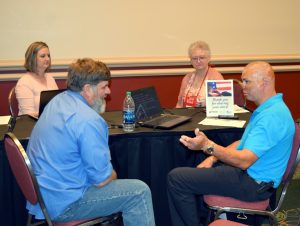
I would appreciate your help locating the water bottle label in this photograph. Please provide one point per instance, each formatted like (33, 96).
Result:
(129, 117)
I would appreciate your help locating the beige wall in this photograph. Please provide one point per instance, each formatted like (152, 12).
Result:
(140, 28)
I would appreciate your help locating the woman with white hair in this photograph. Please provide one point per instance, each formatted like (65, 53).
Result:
(192, 91)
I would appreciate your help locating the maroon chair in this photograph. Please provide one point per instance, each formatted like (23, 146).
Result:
(13, 105)
(221, 204)
(22, 170)
(222, 222)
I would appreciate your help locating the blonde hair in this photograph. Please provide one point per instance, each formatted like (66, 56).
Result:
(31, 55)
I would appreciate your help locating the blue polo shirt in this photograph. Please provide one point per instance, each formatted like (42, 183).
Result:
(69, 152)
(269, 135)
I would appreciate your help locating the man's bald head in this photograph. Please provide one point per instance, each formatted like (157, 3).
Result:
(258, 82)
(261, 70)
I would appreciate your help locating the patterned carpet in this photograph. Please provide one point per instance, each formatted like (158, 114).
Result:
(289, 214)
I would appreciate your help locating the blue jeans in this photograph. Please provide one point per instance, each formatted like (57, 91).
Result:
(129, 196)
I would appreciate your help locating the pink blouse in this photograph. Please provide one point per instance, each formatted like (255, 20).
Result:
(28, 91)
(186, 89)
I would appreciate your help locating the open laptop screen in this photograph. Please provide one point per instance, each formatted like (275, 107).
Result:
(146, 103)
(46, 96)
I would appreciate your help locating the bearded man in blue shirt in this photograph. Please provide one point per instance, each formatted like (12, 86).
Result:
(259, 159)
(69, 152)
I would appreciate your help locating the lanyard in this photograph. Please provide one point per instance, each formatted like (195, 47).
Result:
(191, 101)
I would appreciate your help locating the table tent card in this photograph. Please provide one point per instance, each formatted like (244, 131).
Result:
(219, 98)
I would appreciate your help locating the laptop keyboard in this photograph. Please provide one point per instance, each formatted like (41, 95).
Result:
(162, 119)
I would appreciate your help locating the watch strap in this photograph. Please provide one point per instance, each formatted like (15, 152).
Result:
(209, 149)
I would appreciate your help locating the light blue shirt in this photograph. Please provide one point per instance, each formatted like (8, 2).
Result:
(69, 152)
(269, 135)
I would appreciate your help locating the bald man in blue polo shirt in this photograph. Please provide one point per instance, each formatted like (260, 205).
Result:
(252, 167)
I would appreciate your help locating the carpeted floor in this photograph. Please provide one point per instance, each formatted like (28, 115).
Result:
(289, 214)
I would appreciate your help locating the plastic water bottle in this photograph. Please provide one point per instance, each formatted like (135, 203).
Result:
(128, 113)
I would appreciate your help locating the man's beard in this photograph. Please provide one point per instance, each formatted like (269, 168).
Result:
(99, 105)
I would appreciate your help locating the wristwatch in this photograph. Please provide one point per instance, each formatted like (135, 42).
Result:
(210, 148)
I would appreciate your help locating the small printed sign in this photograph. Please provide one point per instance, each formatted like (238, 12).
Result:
(219, 98)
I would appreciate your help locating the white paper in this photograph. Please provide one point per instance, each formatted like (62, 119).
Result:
(4, 119)
(238, 109)
(223, 122)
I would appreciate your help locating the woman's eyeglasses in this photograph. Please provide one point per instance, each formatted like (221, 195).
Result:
(199, 58)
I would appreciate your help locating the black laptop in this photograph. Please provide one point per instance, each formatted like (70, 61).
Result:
(46, 96)
(148, 111)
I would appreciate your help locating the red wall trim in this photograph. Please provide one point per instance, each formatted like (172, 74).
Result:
(167, 86)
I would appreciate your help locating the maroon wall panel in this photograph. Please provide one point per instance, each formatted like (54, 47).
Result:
(168, 87)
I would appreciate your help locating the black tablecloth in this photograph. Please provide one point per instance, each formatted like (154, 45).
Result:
(144, 154)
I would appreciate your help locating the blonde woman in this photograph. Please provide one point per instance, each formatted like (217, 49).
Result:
(30, 85)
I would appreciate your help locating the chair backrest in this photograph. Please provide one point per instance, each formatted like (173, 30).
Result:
(291, 167)
(294, 157)
(22, 170)
(239, 98)
(13, 105)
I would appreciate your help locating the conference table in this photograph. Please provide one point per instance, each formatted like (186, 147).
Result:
(146, 154)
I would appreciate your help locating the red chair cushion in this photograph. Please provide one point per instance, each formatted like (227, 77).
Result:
(223, 201)
(221, 222)
(72, 223)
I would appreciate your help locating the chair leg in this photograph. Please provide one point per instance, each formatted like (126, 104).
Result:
(209, 216)
(29, 219)
(273, 221)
